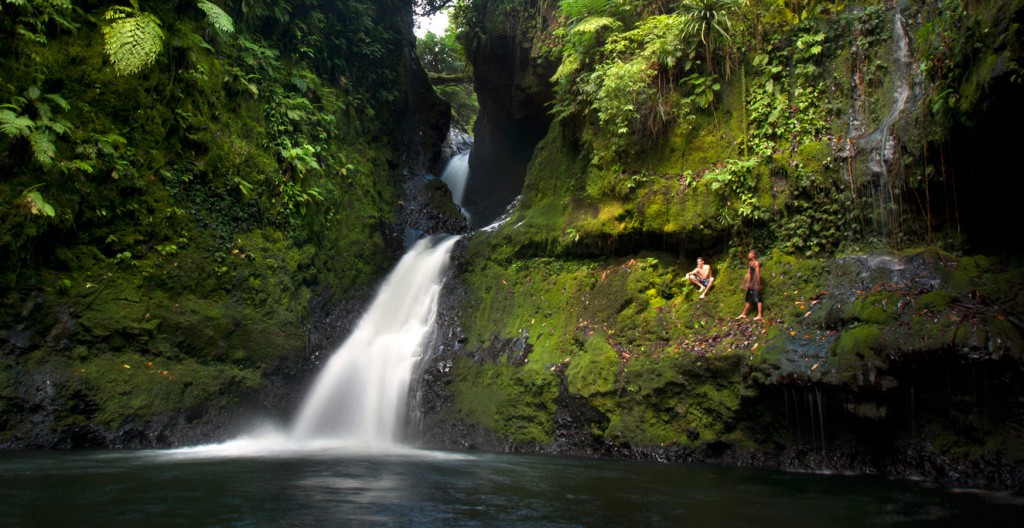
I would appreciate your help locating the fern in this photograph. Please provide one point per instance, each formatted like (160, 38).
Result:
(14, 125)
(220, 20)
(576, 9)
(42, 147)
(60, 101)
(570, 64)
(133, 39)
(60, 126)
(592, 24)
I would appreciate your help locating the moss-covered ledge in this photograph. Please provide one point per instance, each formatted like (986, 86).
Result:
(853, 359)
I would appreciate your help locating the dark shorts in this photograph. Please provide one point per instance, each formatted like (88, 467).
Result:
(753, 295)
(703, 282)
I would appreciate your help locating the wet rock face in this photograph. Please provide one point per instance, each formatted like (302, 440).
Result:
(425, 204)
(456, 143)
(434, 425)
(427, 117)
(427, 209)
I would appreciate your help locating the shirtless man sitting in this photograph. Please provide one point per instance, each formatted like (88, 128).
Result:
(701, 276)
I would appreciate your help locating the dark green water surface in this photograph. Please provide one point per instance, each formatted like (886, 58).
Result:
(331, 488)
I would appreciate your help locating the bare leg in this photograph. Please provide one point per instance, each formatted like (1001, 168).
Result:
(744, 314)
(760, 307)
(693, 279)
(708, 287)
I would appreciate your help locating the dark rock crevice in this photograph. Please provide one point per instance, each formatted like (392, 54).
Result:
(514, 91)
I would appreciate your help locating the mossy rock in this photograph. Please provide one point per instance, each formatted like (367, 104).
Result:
(594, 370)
(674, 401)
(1005, 338)
(929, 332)
(517, 404)
(130, 386)
(117, 306)
(877, 308)
(859, 354)
(934, 301)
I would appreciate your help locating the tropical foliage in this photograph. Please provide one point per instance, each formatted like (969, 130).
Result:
(218, 163)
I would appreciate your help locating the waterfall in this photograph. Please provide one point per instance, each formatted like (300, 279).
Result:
(361, 393)
(455, 175)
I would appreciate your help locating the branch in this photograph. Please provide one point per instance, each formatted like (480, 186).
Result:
(440, 79)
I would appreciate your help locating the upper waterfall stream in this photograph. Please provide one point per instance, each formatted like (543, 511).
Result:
(455, 176)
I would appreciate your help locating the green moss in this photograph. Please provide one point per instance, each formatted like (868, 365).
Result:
(126, 386)
(930, 333)
(118, 305)
(961, 274)
(877, 308)
(594, 370)
(934, 301)
(550, 180)
(858, 351)
(517, 404)
(790, 283)
(682, 400)
(1005, 337)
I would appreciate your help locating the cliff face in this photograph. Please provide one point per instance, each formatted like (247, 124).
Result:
(511, 79)
(176, 239)
(833, 145)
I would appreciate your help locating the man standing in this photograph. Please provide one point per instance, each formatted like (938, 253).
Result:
(752, 283)
(701, 276)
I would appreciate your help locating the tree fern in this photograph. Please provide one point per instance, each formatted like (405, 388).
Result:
(576, 9)
(220, 20)
(42, 147)
(581, 41)
(133, 39)
(570, 65)
(59, 101)
(14, 125)
(595, 23)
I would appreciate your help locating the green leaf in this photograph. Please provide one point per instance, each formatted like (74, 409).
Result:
(83, 166)
(220, 19)
(42, 146)
(61, 102)
(592, 24)
(133, 40)
(61, 127)
(14, 125)
(38, 205)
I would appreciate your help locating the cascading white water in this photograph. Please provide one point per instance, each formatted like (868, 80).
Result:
(361, 393)
(455, 175)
